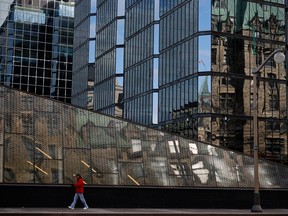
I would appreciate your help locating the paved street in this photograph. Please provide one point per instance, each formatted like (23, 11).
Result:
(136, 212)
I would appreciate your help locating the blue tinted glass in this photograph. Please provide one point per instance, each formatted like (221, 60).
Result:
(157, 10)
(93, 6)
(204, 15)
(92, 26)
(155, 108)
(156, 39)
(119, 60)
(91, 51)
(204, 53)
(121, 8)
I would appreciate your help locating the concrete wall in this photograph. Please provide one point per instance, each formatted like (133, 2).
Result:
(60, 196)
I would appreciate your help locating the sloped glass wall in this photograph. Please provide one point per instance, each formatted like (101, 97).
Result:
(48, 142)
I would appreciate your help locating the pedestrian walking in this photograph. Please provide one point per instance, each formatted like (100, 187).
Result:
(79, 191)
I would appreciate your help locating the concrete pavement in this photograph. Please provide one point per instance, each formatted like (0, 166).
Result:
(136, 212)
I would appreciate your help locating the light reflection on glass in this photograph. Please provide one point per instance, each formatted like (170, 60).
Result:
(193, 148)
(204, 15)
(92, 26)
(155, 73)
(204, 92)
(120, 31)
(4, 7)
(200, 171)
(116, 152)
(119, 60)
(121, 8)
(93, 8)
(119, 96)
(204, 53)
(157, 10)
(156, 39)
(155, 108)
(91, 51)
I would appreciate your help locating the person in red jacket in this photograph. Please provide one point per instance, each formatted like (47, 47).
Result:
(79, 190)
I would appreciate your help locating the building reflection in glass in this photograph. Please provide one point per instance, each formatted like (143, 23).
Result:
(205, 80)
(36, 46)
(44, 141)
(245, 34)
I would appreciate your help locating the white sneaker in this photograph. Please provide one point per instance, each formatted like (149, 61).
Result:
(70, 207)
(85, 207)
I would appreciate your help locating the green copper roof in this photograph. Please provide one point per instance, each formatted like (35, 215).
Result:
(244, 11)
(204, 90)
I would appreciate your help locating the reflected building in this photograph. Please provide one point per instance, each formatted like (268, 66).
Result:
(43, 141)
(186, 67)
(245, 35)
(36, 46)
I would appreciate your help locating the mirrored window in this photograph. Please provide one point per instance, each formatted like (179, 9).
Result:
(204, 53)
(204, 94)
(155, 73)
(120, 31)
(93, 8)
(204, 14)
(92, 26)
(121, 8)
(119, 60)
(156, 39)
(157, 10)
(155, 108)
(92, 51)
(119, 96)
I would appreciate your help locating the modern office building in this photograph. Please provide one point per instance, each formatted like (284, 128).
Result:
(36, 46)
(84, 54)
(185, 66)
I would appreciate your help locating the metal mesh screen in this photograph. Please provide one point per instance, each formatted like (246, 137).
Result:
(44, 141)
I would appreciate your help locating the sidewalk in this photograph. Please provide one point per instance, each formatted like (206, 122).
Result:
(136, 212)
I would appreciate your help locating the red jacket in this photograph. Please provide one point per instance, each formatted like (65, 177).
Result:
(79, 186)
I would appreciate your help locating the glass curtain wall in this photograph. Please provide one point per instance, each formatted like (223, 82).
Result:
(109, 64)
(141, 61)
(43, 141)
(84, 54)
(185, 66)
(208, 49)
(245, 34)
(36, 43)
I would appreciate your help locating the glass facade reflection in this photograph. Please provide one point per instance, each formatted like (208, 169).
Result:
(45, 141)
(84, 53)
(244, 35)
(186, 68)
(36, 46)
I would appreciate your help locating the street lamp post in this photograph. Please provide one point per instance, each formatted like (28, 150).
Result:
(278, 58)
